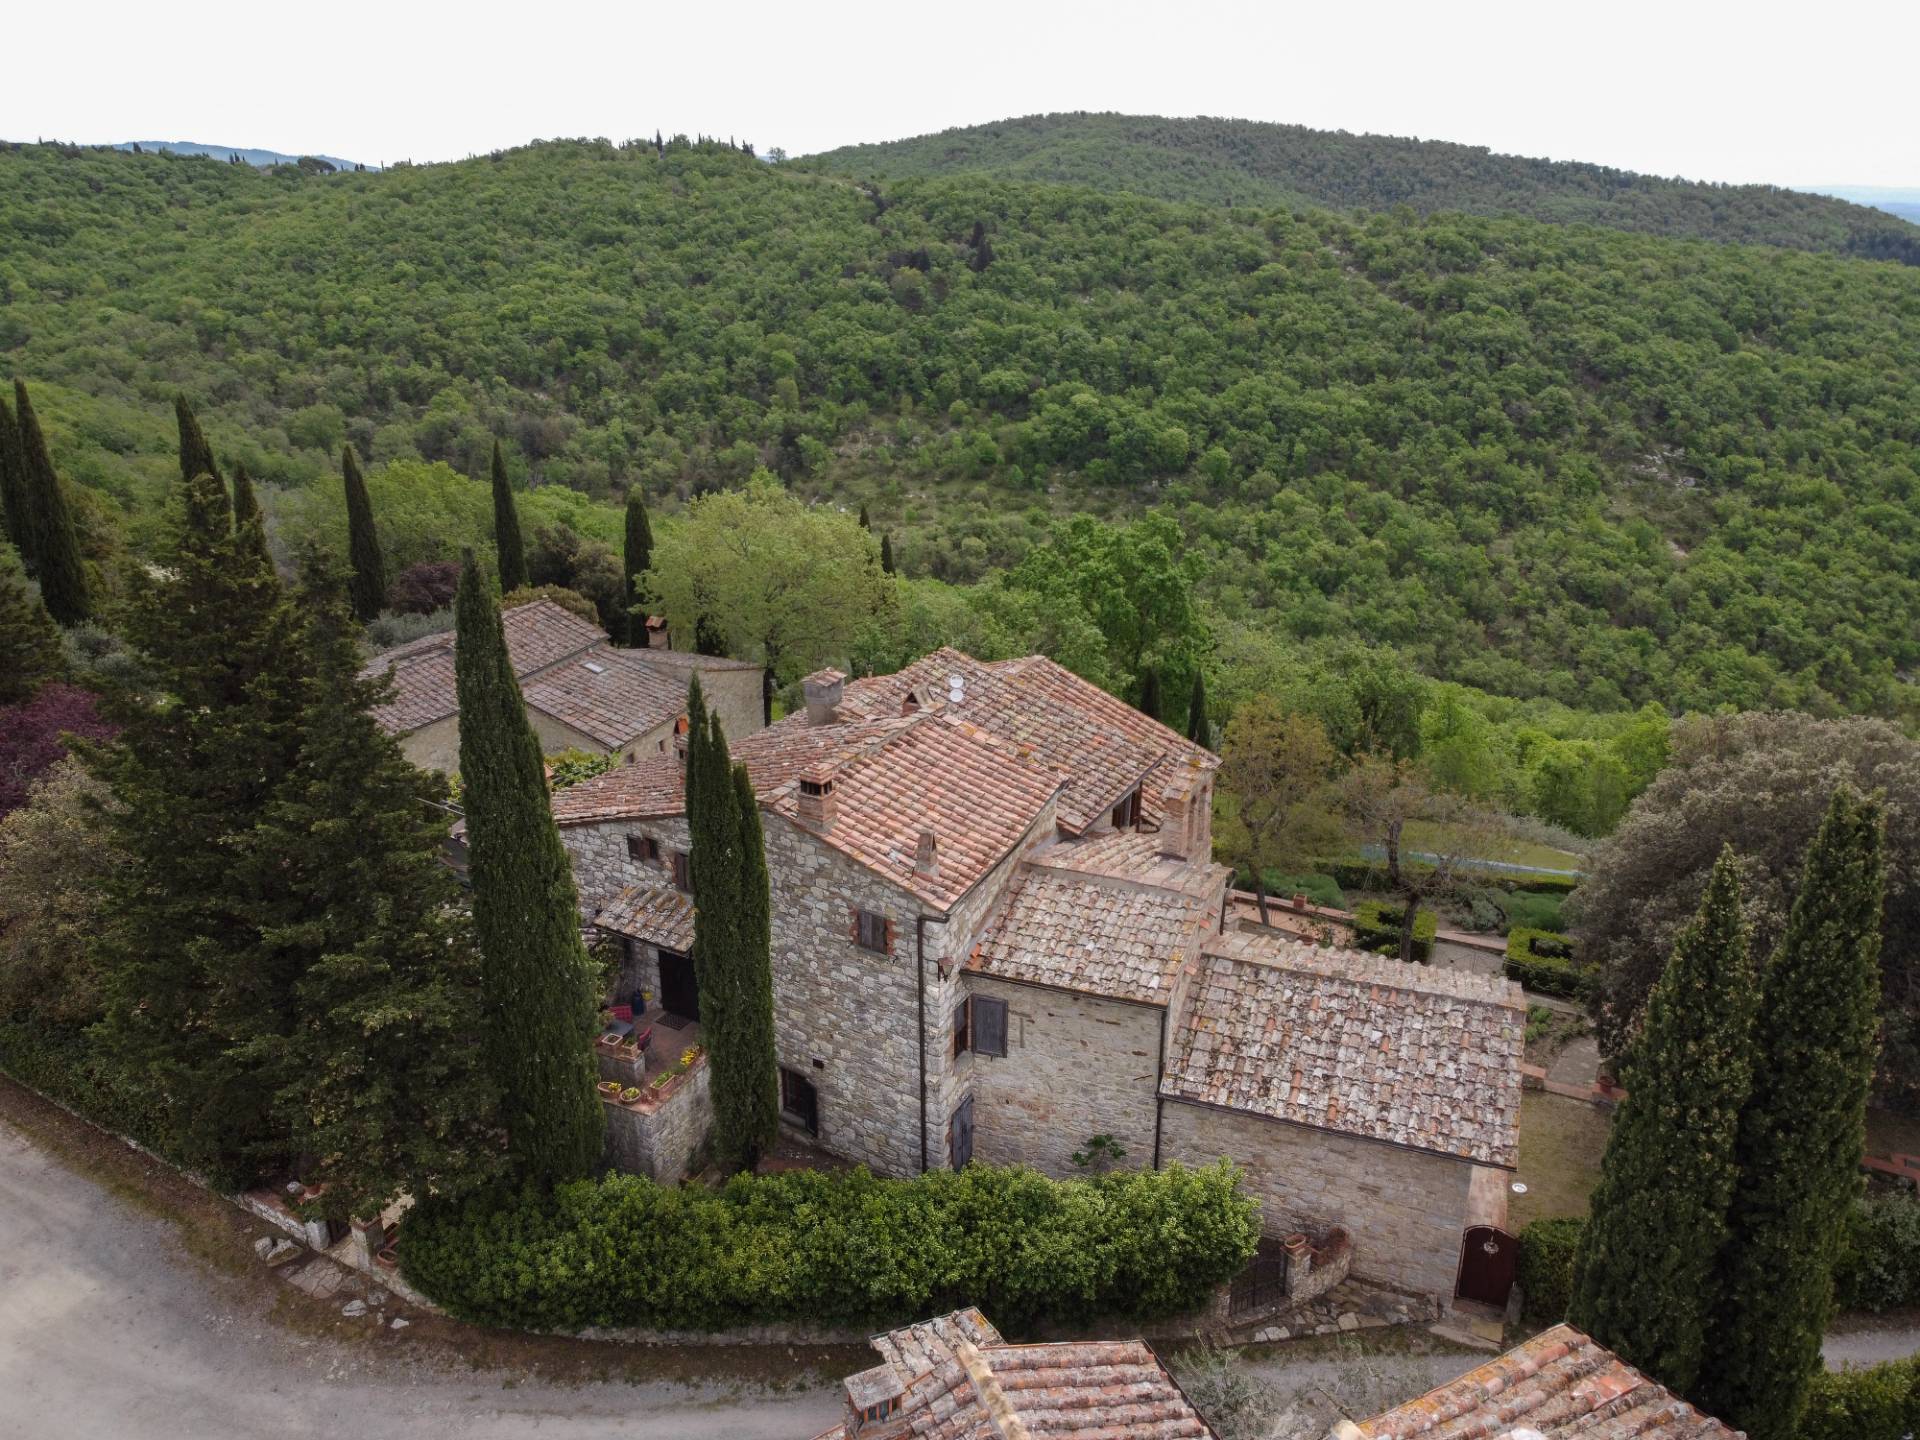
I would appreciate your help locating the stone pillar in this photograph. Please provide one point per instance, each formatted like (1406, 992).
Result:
(369, 1239)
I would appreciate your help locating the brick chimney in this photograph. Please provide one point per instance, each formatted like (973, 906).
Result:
(1176, 818)
(823, 690)
(816, 806)
(926, 857)
(875, 1404)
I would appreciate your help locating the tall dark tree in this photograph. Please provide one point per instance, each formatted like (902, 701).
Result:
(1199, 726)
(53, 554)
(248, 521)
(730, 941)
(637, 561)
(1802, 1132)
(507, 544)
(1643, 1283)
(379, 1077)
(1150, 693)
(865, 523)
(368, 585)
(13, 481)
(30, 653)
(886, 554)
(540, 1003)
(195, 989)
(196, 455)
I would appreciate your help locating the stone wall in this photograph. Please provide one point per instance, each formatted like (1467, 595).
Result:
(435, 746)
(602, 868)
(661, 1143)
(1076, 1066)
(1405, 1209)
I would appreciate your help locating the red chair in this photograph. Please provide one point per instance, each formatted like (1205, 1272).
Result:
(643, 1038)
(620, 1012)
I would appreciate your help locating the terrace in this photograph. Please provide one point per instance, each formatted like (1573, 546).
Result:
(654, 1087)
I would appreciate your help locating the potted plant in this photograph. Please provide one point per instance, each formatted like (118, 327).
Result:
(630, 1094)
(610, 1089)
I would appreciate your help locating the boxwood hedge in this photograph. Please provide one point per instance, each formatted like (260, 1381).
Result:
(1878, 1403)
(1376, 926)
(1543, 962)
(834, 1248)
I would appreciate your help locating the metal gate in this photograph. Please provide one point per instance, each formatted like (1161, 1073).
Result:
(1487, 1260)
(1263, 1283)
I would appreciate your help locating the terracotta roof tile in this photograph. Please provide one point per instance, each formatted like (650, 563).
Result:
(611, 695)
(657, 914)
(539, 634)
(1559, 1383)
(1093, 934)
(1135, 855)
(1355, 1043)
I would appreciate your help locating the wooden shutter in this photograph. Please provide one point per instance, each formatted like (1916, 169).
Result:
(989, 1026)
(961, 1014)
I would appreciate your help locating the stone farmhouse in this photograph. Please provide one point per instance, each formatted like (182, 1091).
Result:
(997, 933)
(580, 691)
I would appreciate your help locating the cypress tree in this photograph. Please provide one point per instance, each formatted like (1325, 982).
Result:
(886, 554)
(1802, 1132)
(1643, 1283)
(1199, 728)
(196, 455)
(507, 543)
(540, 1002)
(368, 585)
(639, 559)
(195, 989)
(30, 653)
(13, 491)
(55, 548)
(248, 522)
(379, 1077)
(752, 1083)
(1150, 693)
(865, 523)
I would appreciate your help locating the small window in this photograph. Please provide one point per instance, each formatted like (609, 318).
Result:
(1126, 815)
(872, 932)
(799, 1101)
(989, 1027)
(643, 848)
(682, 873)
(962, 1028)
(630, 757)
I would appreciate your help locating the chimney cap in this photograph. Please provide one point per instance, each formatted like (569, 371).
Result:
(826, 677)
(926, 854)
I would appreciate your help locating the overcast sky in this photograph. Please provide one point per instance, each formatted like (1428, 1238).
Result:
(1813, 93)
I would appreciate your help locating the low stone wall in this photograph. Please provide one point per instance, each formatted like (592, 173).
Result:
(1321, 1267)
(659, 1140)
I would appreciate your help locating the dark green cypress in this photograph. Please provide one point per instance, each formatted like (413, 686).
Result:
(1150, 693)
(1802, 1132)
(368, 585)
(55, 548)
(886, 554)
(196, 455)
(1199, 727)
(30, 653)
(540, 1005)
(1643, 1283)
(507, 544)
(13, 491)
(639, 559)
(751, 1082)
(865, 523)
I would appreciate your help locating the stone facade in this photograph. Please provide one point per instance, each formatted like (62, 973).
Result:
(661, 1143)
(602, 866)
(1402, 1207)
(1076, 1066)
(437, 746)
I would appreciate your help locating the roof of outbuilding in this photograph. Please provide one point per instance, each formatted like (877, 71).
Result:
(1093, 934)
(1355, 1043)
(610, 695)
(539, 633)
(657, 914)
(1561, 1384)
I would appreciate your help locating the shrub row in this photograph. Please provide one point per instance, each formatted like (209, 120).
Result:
(67, 1067)
(1545, 1267)
(1376, 926)
(1543, 962)
(1879, 1403)
(835, 1248)
(1362, 874)
(1878, 1267)
(1320, 889)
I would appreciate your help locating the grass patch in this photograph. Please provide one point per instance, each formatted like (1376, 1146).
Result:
(1508, 849)
(1532, 910)
(1561, 1144)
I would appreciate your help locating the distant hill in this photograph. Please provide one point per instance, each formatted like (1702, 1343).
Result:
(1903, 201)
(260, 158)
(1243, 162)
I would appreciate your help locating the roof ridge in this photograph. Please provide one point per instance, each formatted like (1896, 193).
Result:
(1361, 967)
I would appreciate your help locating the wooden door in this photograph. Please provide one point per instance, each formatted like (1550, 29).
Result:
(960, 1134)
(1487, 1260)
(679, 992)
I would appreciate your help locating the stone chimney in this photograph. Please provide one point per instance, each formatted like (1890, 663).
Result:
(875, 1404)
(816, 805)
(824, 689)
(926, 857)
(1176, 818)
(658, 636)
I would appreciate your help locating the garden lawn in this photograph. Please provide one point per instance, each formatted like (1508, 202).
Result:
(1561, 1143)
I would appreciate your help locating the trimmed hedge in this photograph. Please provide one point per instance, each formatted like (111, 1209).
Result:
(1879, 1403)
(835, 1248)
(1356, 873)
(1878, 1267)
(1376, 926)
(67, 1067)
(1545, 1267)
(1320, 889)
(1533, 961)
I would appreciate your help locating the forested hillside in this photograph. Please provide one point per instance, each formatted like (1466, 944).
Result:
(1245, 162)
(1545, 460)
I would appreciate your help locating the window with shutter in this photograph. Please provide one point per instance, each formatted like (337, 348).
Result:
(960, 1026)
(643, 848)
(873, 932)
(682, 873)
(989, 1026)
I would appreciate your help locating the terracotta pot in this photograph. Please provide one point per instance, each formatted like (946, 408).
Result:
(1295, 1244)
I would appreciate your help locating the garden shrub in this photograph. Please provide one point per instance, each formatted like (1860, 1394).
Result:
(1878, 1403)
(1545, 1267)
(1320, 889)
(1533, 909)
(1544, 962)
(835, 1248)
(1376, 926)
(1878, 1267)
(85, 1076)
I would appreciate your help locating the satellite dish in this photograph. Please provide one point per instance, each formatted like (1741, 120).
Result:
(1519, 1187)
(956, 689)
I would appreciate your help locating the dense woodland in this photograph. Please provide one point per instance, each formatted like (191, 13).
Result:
(1247, 162)
(1545, 461)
